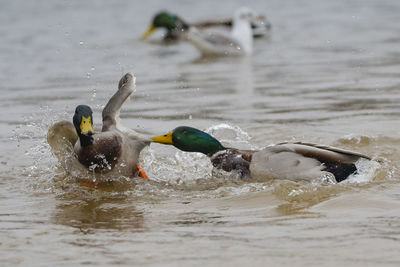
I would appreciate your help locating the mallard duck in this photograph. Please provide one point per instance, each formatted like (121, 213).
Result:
(114, 149)
(293, 161)
(237, 42)
(174, 25)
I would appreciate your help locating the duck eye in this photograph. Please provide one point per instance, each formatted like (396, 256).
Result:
(165, 135)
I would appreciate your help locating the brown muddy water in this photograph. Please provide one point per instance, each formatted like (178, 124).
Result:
(328, 74)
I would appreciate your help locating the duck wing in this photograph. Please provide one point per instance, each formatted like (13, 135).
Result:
(304, 161)
(112, 110)
(323, 153)
(259, 24)
(226, 22)
(62, 137)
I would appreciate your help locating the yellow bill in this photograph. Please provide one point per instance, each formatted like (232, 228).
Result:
(86, 125)
(163, 139)
(148, 32)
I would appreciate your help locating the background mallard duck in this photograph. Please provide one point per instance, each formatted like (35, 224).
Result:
(239, 41)
(175, 25)
(292, 161)
(115, 149)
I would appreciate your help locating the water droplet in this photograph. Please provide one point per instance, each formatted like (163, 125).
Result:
(93, 93)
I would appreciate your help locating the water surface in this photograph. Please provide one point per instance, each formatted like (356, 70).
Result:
(328, 74)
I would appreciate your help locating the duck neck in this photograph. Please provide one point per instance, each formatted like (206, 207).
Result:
(85, 140)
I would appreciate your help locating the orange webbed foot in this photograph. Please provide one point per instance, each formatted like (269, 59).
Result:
(141, 172)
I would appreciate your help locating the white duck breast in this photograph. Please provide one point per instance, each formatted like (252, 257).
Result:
(303, 161)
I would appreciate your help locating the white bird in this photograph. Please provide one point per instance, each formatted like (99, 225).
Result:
(238, 42)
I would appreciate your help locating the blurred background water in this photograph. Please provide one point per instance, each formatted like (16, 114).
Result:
(327, 74)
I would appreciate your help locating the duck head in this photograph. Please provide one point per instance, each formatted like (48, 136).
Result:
(83, 122)
(190, 140)
(165, 20)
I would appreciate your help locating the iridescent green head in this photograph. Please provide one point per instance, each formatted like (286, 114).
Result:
(191, 140)
(165, 20)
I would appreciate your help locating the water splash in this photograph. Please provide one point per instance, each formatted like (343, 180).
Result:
(366, 170)
(38, 165)
(231, 136)
(173, 173)
(177, 168)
